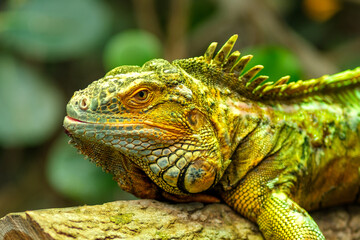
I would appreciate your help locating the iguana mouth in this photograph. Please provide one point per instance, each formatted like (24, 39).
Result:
(74, 119)
(70, 120)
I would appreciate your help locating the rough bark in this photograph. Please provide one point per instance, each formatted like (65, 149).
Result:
(150, 219)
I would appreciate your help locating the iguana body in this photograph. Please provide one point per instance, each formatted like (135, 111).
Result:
(197, 130)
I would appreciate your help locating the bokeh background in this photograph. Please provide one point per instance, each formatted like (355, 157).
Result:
(51, 48)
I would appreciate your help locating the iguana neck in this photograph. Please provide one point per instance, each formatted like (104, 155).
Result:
(248, 133)
(234, 118)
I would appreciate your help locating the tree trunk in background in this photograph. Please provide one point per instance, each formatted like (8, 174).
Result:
(150, 219)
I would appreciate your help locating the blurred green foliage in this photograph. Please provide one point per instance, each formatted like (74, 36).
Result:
(132, 47)
(54, 30)
(50, 48)
(29, 104)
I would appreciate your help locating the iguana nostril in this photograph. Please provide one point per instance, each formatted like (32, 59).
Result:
(199, 176)
(84, 103)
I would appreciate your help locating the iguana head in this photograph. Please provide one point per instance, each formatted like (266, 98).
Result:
(173, 122)
(155, 118)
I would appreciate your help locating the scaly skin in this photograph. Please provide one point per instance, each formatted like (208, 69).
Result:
(197, 130)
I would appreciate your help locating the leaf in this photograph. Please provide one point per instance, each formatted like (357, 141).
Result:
(31, 107)
(79, 179)
(132, 47)
(54, 30)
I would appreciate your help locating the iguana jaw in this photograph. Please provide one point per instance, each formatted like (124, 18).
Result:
(163, 152)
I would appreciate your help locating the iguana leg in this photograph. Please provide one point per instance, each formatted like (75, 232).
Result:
(282, 218)
(278, 217)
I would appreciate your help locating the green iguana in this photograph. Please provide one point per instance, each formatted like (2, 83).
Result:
(199, 129)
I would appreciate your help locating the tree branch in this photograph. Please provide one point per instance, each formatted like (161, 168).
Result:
(150, 219)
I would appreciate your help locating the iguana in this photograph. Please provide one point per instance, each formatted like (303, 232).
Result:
(199, 129)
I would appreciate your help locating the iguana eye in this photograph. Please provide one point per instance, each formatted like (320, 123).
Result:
(140, 98)
(141, 95)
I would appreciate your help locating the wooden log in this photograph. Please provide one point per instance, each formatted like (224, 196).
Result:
(150, 219)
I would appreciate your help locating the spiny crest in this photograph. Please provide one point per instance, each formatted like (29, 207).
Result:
(231, 66)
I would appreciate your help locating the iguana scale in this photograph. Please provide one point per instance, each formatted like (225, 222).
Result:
(200, 129)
